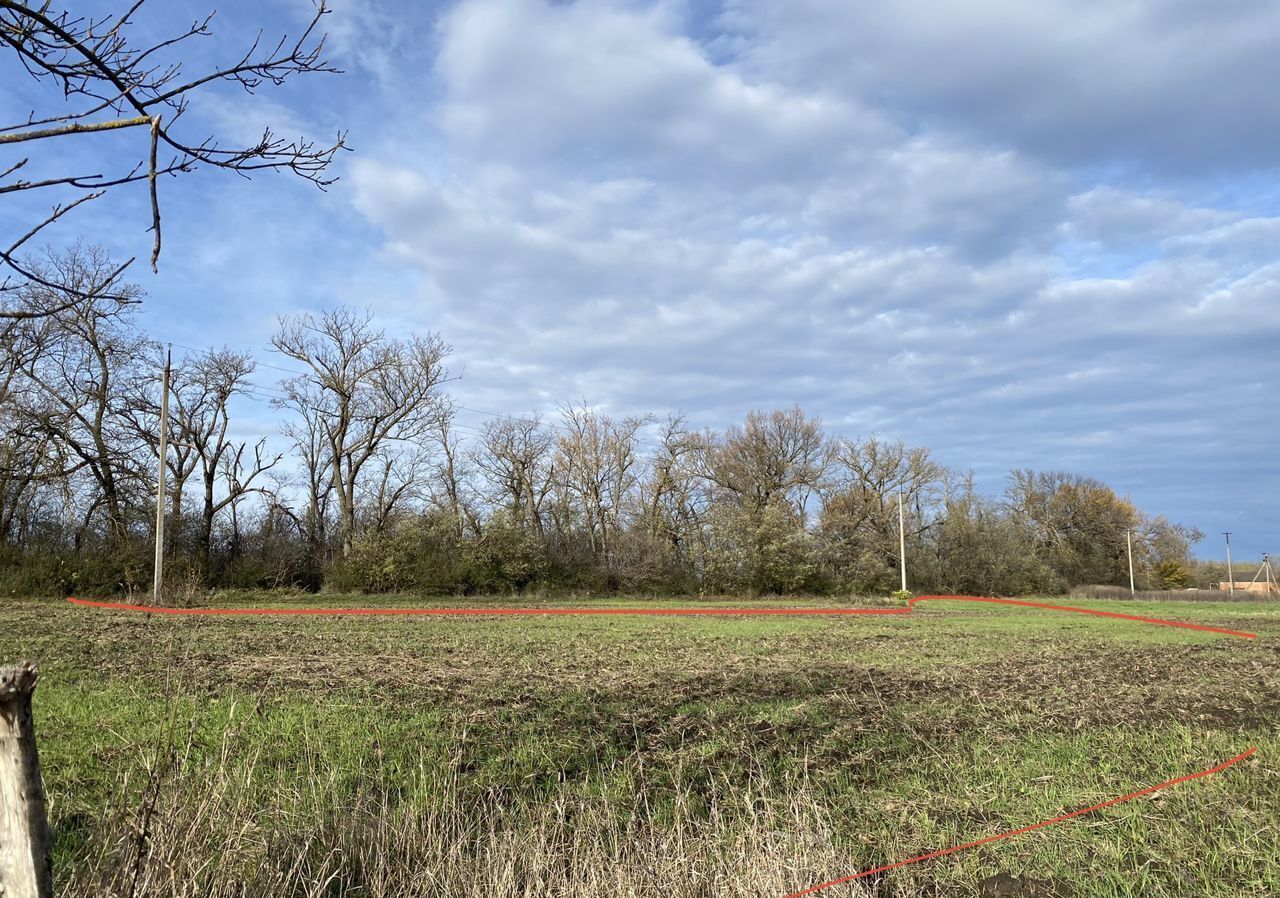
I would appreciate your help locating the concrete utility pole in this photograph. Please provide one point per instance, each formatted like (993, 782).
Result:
(1128, 539)
(26, 864)
(158, 586)
(902, 543)
(1231, 580)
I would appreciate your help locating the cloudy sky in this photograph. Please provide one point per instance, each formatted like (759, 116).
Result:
(1038, 235)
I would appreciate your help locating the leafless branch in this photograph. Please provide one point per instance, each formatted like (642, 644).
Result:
(76, 128)
(106, 84)
(155, 199)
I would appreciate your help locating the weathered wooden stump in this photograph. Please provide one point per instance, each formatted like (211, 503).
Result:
(26, 865)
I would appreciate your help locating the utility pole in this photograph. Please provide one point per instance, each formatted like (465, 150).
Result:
(1231, 580)
(158, 586)
(1128, 539)
(902, 543)
(1264, 571)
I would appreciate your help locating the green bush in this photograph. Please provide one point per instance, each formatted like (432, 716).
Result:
(1173, 574)
(44, 574)
(507, 557)
(422, 554)
(760, 550)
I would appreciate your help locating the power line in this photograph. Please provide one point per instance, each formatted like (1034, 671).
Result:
(1252, 549)
(261, 364)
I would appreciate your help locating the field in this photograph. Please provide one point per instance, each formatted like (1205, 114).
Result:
(655, 756)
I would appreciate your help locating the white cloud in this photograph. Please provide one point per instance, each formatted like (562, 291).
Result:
(1115, 216)
(1172, 85)
(608, 85)
(606, 210)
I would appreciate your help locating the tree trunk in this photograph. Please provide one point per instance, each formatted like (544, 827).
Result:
(26, 864)
(206, 523)
(233, 553)
(175, 516)
(344, 484)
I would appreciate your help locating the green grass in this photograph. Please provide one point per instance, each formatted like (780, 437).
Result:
(886, 737)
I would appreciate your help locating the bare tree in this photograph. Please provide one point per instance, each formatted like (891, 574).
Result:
(27, 457)
(143, 410)
(76, 361)
(308, 437)
(597, 461)
(514, 459)
(364, 391)
(774, 457)
(201, 387)
(672, 505)
(205, 423)
(101, 85)
(397, 479)
(860, 508)
(238, 472)
(451, 471)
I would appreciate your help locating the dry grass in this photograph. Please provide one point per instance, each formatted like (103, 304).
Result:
(207, 828)
(1166, 595)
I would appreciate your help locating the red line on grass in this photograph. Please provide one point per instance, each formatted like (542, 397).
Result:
(653, 612)
(1113, 614)
(1026, 829)
(483, 612)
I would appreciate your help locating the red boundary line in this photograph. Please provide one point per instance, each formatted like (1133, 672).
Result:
(1026, 829)
(656, 612)
(481, 612)
(1112, 614)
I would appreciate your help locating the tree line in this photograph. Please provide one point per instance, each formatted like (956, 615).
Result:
(382, 489)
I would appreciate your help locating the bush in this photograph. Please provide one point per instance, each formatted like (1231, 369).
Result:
(763, 550)
(507, 557)
(421, 554)
(56, 574)
(1173, 574)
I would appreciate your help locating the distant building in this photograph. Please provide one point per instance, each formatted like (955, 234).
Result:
(1258, 586)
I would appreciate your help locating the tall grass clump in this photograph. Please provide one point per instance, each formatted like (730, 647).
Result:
(220, 823)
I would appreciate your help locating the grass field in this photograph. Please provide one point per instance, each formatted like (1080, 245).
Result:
(654, 756)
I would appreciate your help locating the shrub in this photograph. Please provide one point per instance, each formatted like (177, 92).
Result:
(1173, 574)
(507, 556)
(764, 550)
(416, 554)
(60, 573)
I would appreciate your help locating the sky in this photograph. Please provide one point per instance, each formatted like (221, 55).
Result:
(1026, 235)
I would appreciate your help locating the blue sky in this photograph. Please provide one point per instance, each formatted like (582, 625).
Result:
(1039, 235)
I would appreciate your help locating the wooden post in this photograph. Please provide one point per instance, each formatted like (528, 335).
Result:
(1128, 541)
(1231, 578)
(26, 864)
(902, 543)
